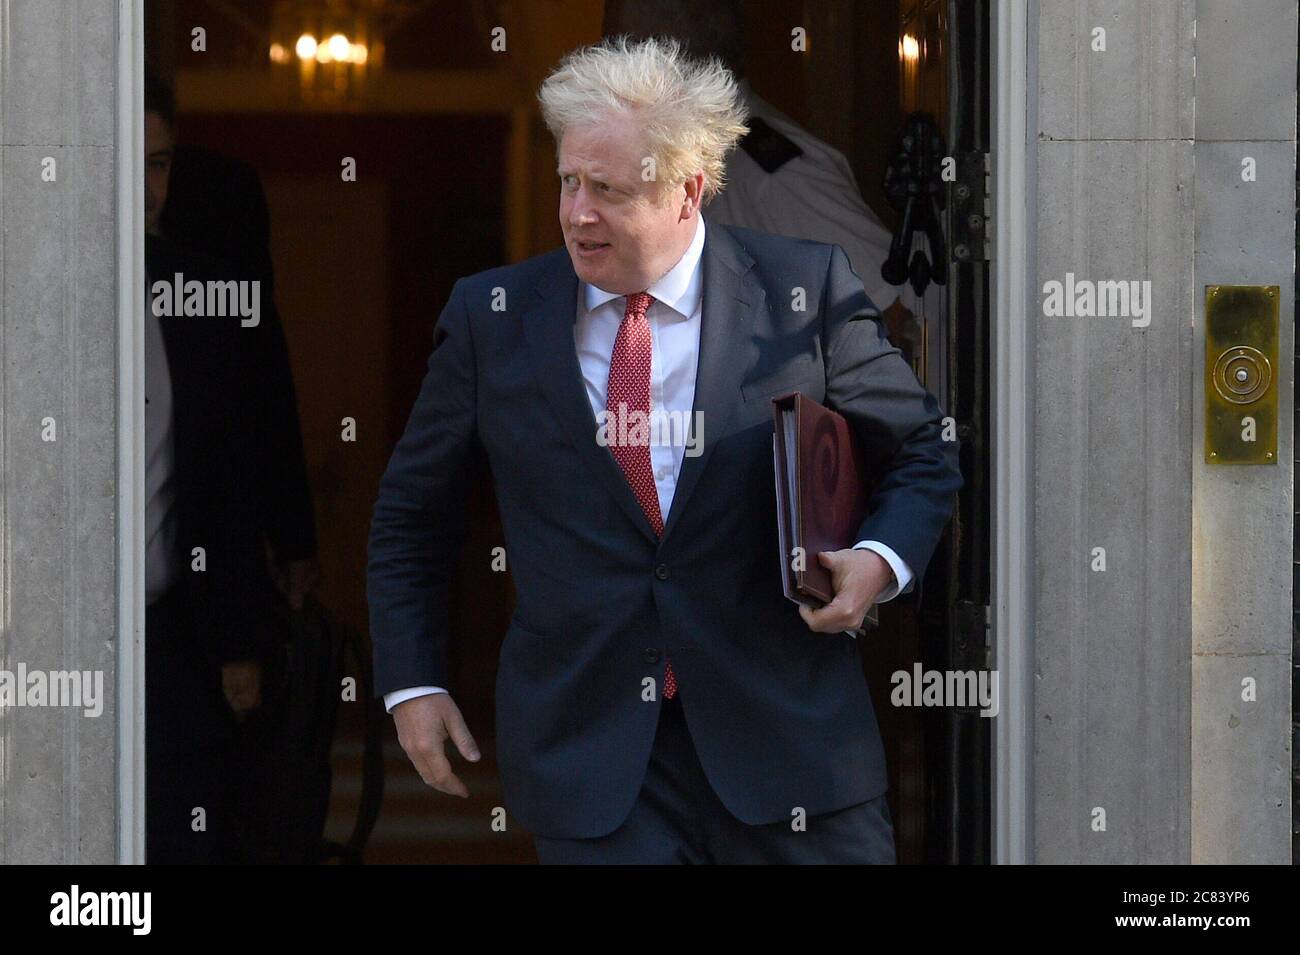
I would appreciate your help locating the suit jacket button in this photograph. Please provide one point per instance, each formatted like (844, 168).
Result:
(651, 655)
(662, 571)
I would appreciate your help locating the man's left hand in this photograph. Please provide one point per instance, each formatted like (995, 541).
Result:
(857, 577)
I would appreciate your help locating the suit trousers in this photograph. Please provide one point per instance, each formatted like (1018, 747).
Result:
(189, 734)
(678, 819)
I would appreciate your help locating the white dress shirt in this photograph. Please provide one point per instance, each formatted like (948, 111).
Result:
(674, 318)
(160, 520)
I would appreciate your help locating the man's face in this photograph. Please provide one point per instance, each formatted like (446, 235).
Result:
(622, 232)
(157, 168)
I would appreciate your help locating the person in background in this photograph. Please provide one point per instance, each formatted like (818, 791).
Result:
(206, 625)
(216, 205)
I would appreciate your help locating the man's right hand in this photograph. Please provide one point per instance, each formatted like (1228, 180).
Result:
(423, 723)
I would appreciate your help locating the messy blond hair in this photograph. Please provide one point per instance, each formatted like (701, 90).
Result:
(688, 110)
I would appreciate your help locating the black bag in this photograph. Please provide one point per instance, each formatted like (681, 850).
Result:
(281, 778)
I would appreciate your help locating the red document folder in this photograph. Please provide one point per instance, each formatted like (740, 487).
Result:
(821, 494)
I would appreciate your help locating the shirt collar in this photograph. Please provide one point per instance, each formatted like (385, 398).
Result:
(680, 288)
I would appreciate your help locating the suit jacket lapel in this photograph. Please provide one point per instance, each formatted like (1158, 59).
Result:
(731, 297)
(548, 328)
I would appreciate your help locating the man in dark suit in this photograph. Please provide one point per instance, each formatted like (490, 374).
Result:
(658, 698)
(207, 623)
(216, 205)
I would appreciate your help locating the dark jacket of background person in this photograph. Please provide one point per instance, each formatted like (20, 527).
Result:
(216, 205)
(215, 467)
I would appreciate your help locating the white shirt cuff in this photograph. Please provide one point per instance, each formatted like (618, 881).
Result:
(410, 693)
(902, 573)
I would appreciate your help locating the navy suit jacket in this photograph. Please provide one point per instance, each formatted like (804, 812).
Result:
(780, 716)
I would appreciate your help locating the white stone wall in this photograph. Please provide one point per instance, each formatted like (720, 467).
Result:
(1143, 749)
(58, 334)
(1242, 517)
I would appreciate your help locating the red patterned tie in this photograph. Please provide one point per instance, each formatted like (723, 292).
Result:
(629, 386)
